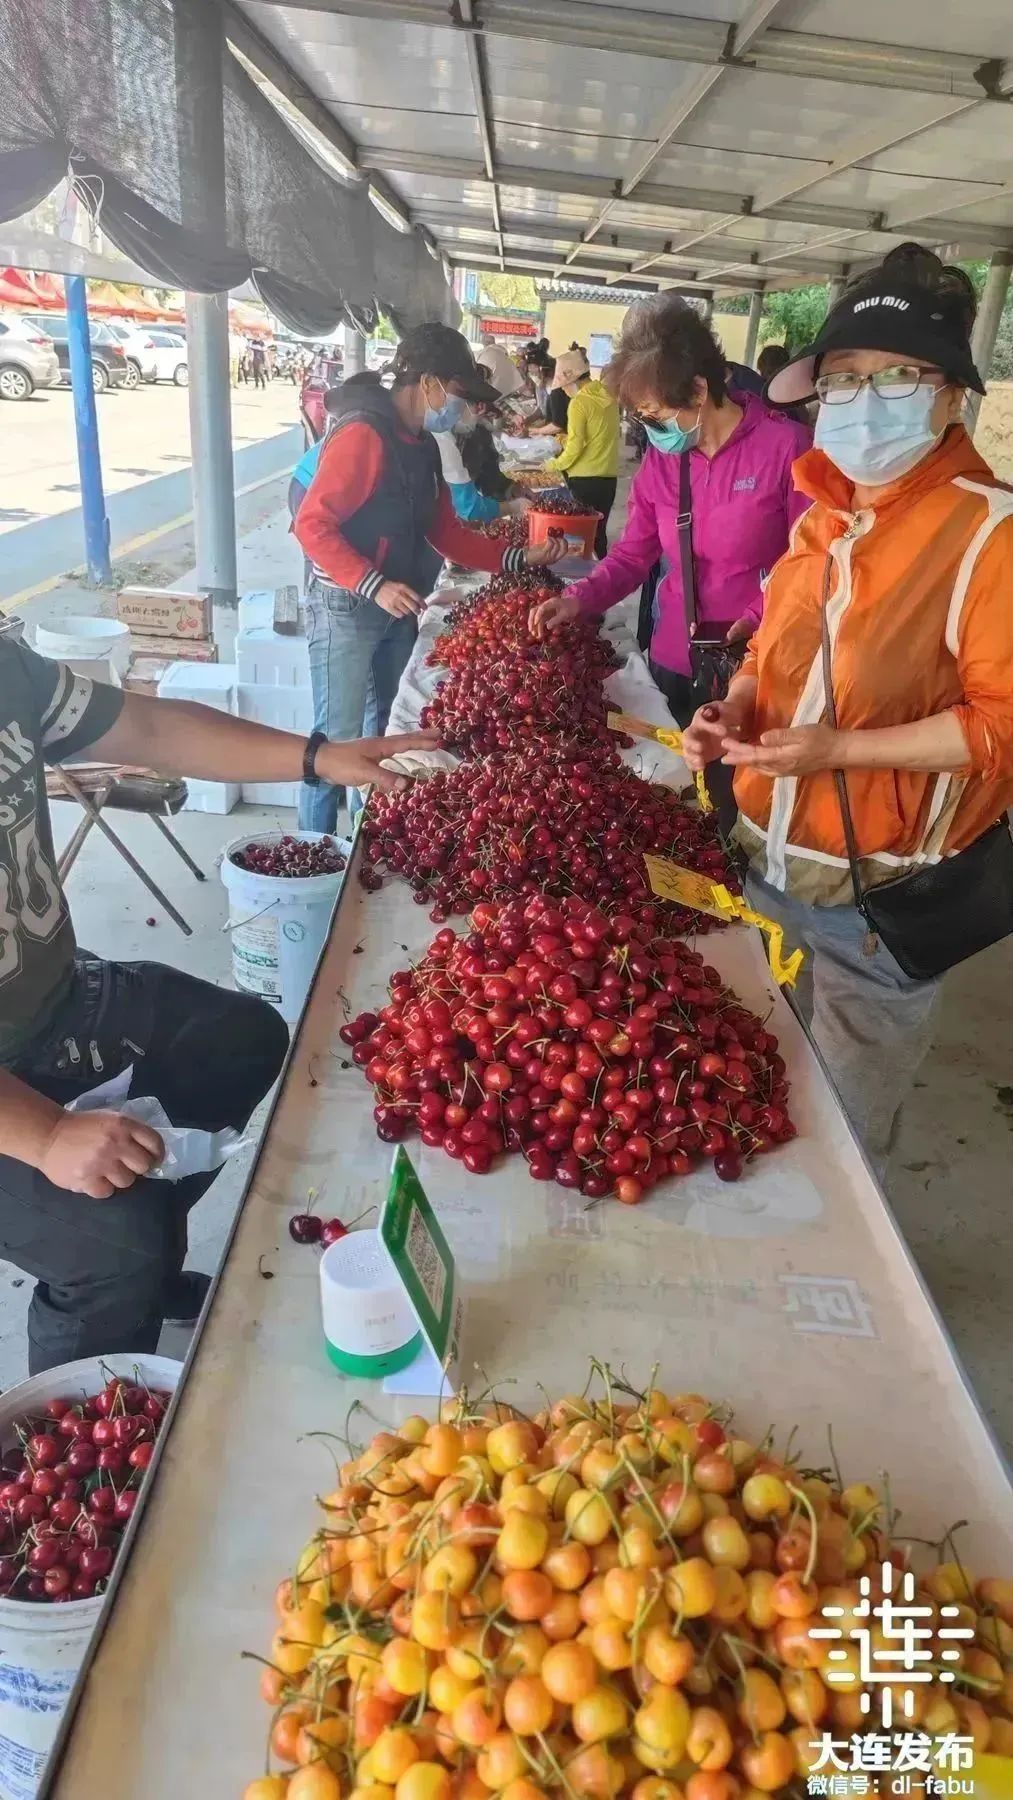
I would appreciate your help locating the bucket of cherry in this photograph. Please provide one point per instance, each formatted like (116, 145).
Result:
(75, 1445)
(561, 516)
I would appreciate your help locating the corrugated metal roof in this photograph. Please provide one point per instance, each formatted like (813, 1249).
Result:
(733, 144)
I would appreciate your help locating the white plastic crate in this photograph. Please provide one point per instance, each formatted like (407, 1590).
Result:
(287, 709)
(256, 609)
(265, 658)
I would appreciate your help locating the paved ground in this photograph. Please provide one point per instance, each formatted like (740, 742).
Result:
(145, 444)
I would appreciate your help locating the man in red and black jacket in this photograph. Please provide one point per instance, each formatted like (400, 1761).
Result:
(376, 510)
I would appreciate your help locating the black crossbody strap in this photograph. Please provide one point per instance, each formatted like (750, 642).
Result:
(684, 525)
(840, 781)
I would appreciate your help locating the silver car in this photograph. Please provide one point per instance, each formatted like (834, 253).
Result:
(28, 360)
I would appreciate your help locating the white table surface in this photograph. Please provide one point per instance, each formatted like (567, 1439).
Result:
(790, 1294)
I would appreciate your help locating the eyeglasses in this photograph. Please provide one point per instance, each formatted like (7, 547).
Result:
(898, 383)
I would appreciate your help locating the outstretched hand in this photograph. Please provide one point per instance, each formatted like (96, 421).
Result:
(358, 762)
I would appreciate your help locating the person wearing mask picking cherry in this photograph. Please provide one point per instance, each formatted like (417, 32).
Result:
(376, 512)
(870, 728)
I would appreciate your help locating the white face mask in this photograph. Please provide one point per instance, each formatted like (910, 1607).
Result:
(875, 441)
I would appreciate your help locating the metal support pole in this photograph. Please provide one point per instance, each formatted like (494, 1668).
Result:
(355, 350)
(214, 504)
(986, 325)
(200, 131)
(752, 327)
(89, 460)
(834, 291)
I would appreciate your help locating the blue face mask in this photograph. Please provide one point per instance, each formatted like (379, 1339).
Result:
(445, 417)
(874, 441)
(671, 438)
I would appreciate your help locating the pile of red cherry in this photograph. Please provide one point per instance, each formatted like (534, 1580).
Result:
(496, 624)
(70, 1485)
(611, 1058)
(562, 506)
(290, 856)
(506, 530)
(539, 690)
(542, 819)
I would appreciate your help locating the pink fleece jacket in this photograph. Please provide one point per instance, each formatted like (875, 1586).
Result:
(744, 505)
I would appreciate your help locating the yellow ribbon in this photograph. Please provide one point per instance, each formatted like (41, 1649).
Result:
(670, 881)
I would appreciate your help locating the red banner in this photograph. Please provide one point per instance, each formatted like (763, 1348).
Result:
(509, 328)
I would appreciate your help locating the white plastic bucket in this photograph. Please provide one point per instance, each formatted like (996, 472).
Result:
(76, 639)
(42, 1647)
(278, 925)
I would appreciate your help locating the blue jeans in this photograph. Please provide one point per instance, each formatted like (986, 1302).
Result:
(358, 654)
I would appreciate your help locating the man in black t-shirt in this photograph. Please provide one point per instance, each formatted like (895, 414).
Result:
(79, 1208)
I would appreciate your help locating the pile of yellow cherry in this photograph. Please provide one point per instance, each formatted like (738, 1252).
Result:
(614, 1597)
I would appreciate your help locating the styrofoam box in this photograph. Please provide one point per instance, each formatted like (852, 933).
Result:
(211, 684)
(266, 658)
(256, 609)
(287, 709)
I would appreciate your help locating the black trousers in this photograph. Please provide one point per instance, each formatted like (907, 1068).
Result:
(101, 1266)
(598, 491)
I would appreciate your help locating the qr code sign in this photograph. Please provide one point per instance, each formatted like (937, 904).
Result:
(426, 1261)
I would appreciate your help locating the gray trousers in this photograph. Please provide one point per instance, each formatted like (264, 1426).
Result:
(870, 1022)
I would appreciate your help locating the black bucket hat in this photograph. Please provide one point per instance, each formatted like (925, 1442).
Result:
(884, 314)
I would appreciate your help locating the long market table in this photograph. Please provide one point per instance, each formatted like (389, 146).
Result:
(791, 1294)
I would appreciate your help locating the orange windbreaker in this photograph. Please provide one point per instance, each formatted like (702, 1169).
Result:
(920, 611)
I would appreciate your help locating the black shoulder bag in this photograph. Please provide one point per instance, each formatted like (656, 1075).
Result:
(712, 662)
(941, 913)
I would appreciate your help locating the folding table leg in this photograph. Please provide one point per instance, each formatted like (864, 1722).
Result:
(129, 858)
(177, 846)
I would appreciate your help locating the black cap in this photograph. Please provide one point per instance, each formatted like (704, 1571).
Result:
(441, 351)
(884, 314)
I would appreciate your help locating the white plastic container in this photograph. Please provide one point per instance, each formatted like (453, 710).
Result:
(209, 684)
(278, 924)
(42, 1647)
(287, 709)
(269, 658)
(369, 1327)
(256, 609)
(78, 638)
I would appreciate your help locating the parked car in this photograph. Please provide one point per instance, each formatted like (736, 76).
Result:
(108, 358)
(136, 341)
(27, 360)
(168, 353)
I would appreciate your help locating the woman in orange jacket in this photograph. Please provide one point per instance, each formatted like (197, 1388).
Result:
(898, 580)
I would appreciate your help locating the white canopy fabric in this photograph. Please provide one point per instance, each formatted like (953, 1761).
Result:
(721, 144)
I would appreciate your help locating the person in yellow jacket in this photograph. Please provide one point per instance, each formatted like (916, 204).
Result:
(590, 455)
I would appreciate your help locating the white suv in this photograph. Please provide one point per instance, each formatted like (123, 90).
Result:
(168, 354)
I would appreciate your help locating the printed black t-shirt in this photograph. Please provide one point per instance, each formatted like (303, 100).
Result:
(47, 714)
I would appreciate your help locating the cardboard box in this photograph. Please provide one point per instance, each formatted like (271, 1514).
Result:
(158, 612)
(170, 649)
(145, 673)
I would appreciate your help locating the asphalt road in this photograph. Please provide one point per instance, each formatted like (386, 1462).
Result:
(145, 446)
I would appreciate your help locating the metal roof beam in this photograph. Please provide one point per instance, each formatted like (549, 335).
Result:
(740, 38)
(659, 35)
(941, 227)
(475, 50)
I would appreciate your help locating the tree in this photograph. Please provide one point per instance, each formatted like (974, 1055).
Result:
(794, 315)
(516, 292)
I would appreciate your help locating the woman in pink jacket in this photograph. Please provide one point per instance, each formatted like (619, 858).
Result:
(670, 371)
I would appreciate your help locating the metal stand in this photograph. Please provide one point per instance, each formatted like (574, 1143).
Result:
(91, 805)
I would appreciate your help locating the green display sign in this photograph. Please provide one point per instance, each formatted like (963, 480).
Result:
(410, 1232)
